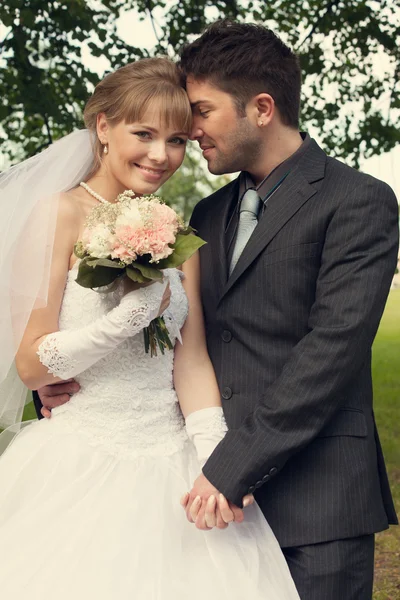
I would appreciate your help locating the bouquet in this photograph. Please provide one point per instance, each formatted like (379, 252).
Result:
(136, 237)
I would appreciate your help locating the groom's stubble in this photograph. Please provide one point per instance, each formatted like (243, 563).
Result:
(243, 148)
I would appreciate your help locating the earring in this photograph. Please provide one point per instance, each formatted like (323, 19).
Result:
(105, 150)
(260, 123)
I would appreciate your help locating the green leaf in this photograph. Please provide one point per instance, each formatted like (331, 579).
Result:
(185, 246)
(105, 262)
(90, 277)
(187, 230)
(135, 275)
(148, 271)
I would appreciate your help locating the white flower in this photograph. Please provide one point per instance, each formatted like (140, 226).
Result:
(130, 215)
(101, 242)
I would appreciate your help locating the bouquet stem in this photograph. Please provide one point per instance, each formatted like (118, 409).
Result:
(157, 334)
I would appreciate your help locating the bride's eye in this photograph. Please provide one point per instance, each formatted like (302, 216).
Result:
(178, 141)
(144, 135)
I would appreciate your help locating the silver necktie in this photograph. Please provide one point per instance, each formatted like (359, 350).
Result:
(249, 208)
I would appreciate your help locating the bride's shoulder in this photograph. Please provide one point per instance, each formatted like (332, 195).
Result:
(72, 206)
(70, 216)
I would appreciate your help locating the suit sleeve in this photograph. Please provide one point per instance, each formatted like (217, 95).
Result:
(358, 262)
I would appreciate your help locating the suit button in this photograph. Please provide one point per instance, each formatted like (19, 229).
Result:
(226, 335)
(273, 471)
(251, 489)
(259, 484)
(227, 393)
(266, 478)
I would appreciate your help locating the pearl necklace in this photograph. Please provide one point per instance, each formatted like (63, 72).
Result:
(93, 193)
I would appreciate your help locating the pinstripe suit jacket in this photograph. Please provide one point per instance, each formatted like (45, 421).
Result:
(290, 336)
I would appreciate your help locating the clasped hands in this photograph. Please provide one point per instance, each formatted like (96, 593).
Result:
(207, 508)
(204, 505)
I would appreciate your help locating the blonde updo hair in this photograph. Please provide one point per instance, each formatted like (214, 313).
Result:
(127, 93)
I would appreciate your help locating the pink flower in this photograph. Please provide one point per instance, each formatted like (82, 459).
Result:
(134, 227)
(151, 234)
(122, 253)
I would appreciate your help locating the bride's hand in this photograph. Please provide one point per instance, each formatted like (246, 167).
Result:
(131, 286)
(213, 516)
(217, 513)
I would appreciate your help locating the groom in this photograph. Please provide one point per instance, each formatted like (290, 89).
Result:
(300, 256)
(294, 283)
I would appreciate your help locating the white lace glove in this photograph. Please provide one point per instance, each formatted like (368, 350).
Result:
(206, 428)
(68, 353)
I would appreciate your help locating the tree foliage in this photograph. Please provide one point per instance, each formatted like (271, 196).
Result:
(190, 184)
(44, 82)
(349, 50)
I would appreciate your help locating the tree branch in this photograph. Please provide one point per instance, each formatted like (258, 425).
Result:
(149, 10)
(396, 75)
(232, 4)
(331, 4)
(47, 124)
(5, 39)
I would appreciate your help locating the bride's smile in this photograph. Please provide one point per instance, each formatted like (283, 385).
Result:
(140, 156)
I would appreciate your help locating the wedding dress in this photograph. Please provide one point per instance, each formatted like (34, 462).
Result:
(89, 500)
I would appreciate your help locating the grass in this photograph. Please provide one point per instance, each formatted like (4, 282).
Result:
(386, 374)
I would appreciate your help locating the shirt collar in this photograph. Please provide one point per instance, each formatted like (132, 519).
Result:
(273, 178)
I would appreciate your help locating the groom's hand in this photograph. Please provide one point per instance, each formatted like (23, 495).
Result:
(206, 507)
(56, 394)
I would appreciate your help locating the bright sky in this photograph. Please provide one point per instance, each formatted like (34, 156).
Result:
(141, 34)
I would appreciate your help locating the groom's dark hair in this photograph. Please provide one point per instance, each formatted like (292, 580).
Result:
(245, 60)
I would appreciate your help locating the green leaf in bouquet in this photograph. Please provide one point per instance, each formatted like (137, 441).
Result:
(105, 262)
(135, 275)
(150, 272)
(93, 277)
(185, 246)
(187, 230)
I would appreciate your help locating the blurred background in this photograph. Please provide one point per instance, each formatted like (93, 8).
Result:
(52, 54)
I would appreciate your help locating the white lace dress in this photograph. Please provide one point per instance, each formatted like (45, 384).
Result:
(89, 500)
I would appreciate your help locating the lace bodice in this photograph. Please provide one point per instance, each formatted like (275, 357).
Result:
(127, 403)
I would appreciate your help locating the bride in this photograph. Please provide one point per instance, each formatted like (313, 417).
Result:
(89, 499)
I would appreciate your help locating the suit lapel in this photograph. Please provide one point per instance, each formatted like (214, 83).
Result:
(285, 202)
